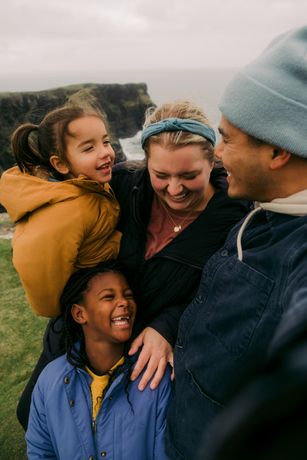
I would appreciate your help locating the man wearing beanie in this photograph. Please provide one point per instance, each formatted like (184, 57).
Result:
(248, 287)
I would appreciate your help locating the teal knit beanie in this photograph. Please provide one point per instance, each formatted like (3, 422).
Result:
(268, 98)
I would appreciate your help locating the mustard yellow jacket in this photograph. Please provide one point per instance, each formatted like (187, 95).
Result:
(60, 227)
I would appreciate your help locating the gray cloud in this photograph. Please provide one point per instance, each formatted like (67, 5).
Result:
(86, 38)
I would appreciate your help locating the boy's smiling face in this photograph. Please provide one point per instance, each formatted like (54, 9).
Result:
(108, 308)
(248, 165)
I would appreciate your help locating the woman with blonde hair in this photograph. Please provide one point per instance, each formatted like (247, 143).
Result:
(175, 213)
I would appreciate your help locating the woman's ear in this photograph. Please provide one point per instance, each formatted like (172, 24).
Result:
(78, 312)
(59, 165)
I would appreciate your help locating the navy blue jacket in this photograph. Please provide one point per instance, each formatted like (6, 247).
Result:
(226, 330)
(267, 419)
(130, 424)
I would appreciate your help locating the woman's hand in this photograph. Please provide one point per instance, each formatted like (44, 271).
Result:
(156, 353)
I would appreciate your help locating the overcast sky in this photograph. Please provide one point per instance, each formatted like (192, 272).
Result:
(67, 41)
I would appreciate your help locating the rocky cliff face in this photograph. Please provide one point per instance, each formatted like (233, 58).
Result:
(123, 105)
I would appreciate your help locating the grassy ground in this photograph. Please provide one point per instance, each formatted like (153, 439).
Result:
(20, 344)
(6, 226)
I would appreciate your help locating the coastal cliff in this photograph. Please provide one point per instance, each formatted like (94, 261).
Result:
(123, 105)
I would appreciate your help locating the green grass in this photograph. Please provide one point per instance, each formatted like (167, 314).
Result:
(21, 334)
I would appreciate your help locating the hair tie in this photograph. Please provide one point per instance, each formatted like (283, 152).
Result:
(33, 131)
(178, 124)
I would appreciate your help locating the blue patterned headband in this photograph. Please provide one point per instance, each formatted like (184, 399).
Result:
(178, 124)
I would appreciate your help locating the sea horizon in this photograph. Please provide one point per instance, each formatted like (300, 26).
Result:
(204, 87)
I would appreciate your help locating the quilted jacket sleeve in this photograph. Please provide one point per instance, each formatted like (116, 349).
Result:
(165, 393)
(39, 443)
(52, 242)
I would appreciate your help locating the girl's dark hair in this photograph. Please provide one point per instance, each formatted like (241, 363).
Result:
(73, 293)
(33, 145)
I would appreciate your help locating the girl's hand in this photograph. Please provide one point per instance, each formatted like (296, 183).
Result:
(156, 353)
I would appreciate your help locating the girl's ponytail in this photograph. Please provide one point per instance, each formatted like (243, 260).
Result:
(25, 147)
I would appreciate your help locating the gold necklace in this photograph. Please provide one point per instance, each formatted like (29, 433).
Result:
(177, 227)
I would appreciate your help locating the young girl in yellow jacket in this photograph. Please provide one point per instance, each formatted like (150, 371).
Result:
(60, 200)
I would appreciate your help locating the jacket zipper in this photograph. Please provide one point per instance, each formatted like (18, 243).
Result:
(93, 422)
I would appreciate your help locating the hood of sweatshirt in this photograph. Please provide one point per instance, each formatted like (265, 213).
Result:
(22, 193)
(293, 205)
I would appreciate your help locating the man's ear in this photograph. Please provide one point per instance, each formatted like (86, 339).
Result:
(78, 312)
(279, 158)
(59, 164)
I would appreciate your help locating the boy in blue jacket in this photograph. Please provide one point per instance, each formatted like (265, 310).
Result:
(84, 404)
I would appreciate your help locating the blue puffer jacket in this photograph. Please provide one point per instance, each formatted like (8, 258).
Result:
(225, 332)
(130, 424)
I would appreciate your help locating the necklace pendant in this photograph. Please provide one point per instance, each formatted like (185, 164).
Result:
(177, 228)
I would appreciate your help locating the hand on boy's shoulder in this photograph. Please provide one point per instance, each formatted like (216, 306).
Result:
(165, 384)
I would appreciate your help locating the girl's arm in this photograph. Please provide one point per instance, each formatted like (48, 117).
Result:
(57, 241)
(39, 443)
(45, 250)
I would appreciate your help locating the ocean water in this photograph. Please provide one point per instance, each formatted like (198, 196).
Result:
(204, 87)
